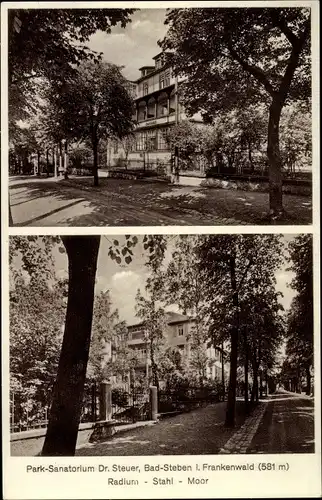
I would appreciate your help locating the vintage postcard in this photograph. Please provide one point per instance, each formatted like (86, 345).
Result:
(160, 256)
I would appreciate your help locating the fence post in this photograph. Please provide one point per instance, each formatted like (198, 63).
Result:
(105, 401)
(153, 402)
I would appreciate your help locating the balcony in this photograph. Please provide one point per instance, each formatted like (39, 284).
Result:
(160, 120)
(153, 88)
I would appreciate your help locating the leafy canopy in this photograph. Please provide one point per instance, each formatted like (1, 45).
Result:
(232, 57)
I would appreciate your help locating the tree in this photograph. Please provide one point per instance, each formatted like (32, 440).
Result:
(82, 252)
(154, 323)
(107, 331)
(66, 406)
(37, 310)
(234, 266)
(296, 138)
(234, 57)
(92, 105)
(44, 44)
(185, 287)
(299, 347)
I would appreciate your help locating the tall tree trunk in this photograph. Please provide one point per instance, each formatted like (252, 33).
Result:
(55, 152)
(66, 160)
(47, 162)
(231, 401)
(223, 371)
(255, 383)
(308, 380)
(275, 161)
(10, 215)
(66, 407)
(154, 368)
(246, 371)
(95, 162)
(60, 158)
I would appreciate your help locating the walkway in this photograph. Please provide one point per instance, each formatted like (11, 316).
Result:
(282, 423)
(119, 202)
(199, 432)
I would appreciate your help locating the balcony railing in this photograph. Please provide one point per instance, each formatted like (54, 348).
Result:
(153, 88)
(157, 120)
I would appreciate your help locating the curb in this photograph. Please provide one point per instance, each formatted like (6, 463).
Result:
(241, 439)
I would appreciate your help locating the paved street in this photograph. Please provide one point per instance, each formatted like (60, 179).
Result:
(282, 423)
(287, 426)
(116, 202)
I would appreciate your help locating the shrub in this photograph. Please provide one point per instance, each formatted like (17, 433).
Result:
(120, 397)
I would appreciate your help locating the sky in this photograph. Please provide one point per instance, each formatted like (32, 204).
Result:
(123, 281)
(135, 45)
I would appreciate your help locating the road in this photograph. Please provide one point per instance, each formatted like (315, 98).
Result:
(119, 202)
(287, 426)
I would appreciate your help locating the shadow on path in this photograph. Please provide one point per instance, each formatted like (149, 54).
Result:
(118, 202)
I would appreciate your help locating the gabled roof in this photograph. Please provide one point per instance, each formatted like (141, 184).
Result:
(146, 67)
(172, 318)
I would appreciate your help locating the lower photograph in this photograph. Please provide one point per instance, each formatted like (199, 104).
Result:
(125, 345)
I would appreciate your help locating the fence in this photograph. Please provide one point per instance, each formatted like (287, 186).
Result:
(183, 400)
(148, 166)
(124, 406)
(133, 407)
(239, 166)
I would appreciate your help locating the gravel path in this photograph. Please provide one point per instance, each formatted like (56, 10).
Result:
(199, 432)
(119, 202)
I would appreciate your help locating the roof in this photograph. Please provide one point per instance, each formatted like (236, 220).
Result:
(172, 318)
(146, 67)
(158, 55)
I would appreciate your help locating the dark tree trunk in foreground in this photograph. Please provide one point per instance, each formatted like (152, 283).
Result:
(278, 101)
(275, 161)
(95, 163)
(231, 401)
(66, 407)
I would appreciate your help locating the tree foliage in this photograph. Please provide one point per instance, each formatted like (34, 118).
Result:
(37, 312)
(300, 340)
(92, 105)
(231, 58)
(47, 44)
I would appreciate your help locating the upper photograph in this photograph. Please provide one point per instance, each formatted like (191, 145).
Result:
(160, 117)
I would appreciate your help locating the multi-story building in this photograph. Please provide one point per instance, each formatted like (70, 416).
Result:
(157, 109)
(178, 335)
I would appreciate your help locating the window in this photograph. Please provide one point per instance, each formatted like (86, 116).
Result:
(142, 109)
(167, 78)
(145, 88)
(161, 80)
(180, 331)
(116, 147)
(141, 141)
(162, 138)
(181, 347)
(151, 140)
